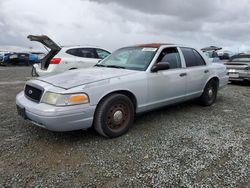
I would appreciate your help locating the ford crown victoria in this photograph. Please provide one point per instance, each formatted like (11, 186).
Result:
(131, 80)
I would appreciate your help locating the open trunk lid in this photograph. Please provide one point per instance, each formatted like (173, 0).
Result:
(46, 41)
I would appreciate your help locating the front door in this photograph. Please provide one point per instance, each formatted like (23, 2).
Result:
(167, 86)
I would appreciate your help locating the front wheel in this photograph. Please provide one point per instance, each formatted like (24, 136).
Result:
(209, 94)
(114, 116)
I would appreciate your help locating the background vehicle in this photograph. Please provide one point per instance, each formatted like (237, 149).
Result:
(211, 53)
(61, 59)
(238, 67)
(212, 56)
(33, 58)
(19, 58)
(131, 80)
(4, 57)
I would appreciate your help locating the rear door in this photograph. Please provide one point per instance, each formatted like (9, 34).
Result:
(197, 71)
(86, 57)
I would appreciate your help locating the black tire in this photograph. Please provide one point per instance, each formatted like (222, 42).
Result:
(209, 94)
(114, 116)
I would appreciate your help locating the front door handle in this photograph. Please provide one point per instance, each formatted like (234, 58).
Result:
(206, 71)
(183, 74)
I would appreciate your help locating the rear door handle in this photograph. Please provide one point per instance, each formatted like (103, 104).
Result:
(183, 74)
(206, 71)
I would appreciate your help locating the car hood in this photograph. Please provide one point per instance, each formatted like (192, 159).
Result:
(78, 77)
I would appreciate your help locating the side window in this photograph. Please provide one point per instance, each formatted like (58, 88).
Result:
(87, 53)
(192, 57)
(102, 53)
(82, 52)
(171, 56)
(199, 60)
(73, 52)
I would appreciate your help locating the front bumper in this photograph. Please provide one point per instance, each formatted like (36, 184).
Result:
(53, 118)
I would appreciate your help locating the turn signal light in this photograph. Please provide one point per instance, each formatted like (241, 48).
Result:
(77, 99)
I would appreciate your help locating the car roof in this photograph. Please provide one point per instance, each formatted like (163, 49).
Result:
(153, 45)
(80, 46)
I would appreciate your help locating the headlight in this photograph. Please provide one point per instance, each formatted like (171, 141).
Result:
(64, 99)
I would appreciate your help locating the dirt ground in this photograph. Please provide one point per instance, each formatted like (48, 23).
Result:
(184, 145)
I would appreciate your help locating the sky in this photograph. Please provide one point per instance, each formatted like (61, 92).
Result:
(112, 24)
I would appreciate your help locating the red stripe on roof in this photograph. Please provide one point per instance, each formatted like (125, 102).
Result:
(153, 45)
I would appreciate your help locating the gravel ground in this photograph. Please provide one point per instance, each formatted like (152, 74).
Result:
(185, 145)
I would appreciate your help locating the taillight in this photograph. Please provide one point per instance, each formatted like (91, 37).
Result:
(55, 61)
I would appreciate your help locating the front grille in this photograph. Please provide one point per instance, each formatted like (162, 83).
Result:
(33, 93)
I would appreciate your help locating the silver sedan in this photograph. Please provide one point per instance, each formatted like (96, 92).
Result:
(238, 67)
(131, 80)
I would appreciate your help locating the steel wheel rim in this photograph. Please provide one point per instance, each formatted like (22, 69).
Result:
(118, 117)
(211, 93)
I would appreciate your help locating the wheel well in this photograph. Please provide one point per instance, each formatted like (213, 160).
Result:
(130, 95)
(216, 79)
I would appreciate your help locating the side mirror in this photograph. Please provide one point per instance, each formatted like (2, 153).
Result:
(160, 66)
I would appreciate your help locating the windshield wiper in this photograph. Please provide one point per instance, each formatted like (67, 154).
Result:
(110, 66)
(99, 65)
(115, 66)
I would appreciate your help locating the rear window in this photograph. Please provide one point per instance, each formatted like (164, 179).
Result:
(192, 57)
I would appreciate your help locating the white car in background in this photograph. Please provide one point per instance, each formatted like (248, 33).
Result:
(60, 59)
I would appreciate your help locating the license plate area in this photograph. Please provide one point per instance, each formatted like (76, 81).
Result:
(234, 75)
(21, 112)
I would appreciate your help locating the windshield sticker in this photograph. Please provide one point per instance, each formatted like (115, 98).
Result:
(149, 49)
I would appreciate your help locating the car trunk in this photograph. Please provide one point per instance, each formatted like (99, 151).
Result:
(46, 41)
(237, 65)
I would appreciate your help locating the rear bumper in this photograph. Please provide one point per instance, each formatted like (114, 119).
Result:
(57, 118)
(40, 72)
(239, 75)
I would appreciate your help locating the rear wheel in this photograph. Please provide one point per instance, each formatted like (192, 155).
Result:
(114, 116)
(209, 94)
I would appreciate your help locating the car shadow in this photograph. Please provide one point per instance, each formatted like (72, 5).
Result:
(90, 134)
(242, 83)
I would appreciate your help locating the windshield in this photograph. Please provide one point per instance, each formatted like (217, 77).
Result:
(134, 58)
